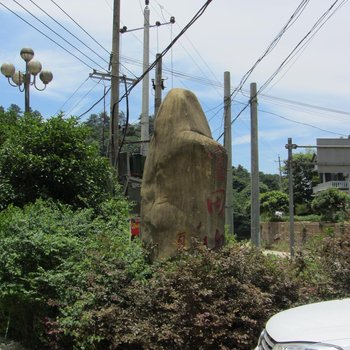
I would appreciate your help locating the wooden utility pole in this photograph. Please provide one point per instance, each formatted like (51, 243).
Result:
(255, 201)
(114, 120)
(158, 85)
(290, 146)
(228, 147)
(145, 85)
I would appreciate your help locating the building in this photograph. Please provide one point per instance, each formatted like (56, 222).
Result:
(332, 162)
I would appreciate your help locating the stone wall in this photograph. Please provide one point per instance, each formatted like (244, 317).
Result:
(278, 232)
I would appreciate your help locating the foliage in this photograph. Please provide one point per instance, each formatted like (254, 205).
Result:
(52, 159)
(203, 300)
(241, 197)
(73, 280)
(332, 204)
(99, 129)
(273, 201)
(323, 268)
(45, 248)
(305, 178)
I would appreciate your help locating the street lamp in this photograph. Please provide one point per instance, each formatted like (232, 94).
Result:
(33, 68)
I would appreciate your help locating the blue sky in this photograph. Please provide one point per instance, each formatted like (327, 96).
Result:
(230, 36)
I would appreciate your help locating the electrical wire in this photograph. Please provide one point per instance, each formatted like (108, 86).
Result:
(59, 35)
(296, 14)
(76, 90)
(68, 31)
(96, 103)
(302, 123)
(54, 41)
(323, 19)
(316, 27)
(72, 19)
(83, 97)
(163, 53)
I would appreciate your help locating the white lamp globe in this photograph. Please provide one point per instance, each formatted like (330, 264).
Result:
(46, 76)
(7, 69)
(17, 78)
(34, 67)
(27, 54)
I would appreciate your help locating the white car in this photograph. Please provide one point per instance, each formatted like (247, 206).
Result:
(319, 326)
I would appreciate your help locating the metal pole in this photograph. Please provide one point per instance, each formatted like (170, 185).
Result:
(290, 147)
(145, 86)
(26, 90)
(255, 202)
(114, 120)
(158, 83)
(228, 147)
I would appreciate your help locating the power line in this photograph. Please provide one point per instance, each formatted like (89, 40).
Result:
(70, 17)
(54, 41)
(296, 14)
(314, 30)
(96, 103)
(76, 90)
(59, 35)
(190, 23)
(302, 123)
(303, 104)
(68, 31)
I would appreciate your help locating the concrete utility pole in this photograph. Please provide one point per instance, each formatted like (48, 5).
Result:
(290, 146)
(228, 147)
(158, 85)
(114, 120)
(145, 85)
(255, 202)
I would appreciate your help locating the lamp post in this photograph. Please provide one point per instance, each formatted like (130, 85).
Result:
(24, 79)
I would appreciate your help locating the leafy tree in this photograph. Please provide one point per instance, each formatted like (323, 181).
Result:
(272, 181)
(45, 249)
(99, 130)
(305, 178)
(273, 201)
(331, 204)
(8, 120)
(52, 159)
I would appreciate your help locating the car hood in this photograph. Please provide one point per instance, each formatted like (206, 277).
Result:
(326, 322)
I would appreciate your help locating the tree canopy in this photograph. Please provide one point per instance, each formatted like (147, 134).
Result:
(50, 159)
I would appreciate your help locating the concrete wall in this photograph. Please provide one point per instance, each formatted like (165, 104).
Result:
(278, 232)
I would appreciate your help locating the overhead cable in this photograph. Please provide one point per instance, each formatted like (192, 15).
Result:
(54, 41)
(68, 31)
(323, 19)
(302, 123)
(163, 53)
(59, 35)
(72, 19)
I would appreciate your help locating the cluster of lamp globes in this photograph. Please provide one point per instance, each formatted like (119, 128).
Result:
(33, 67)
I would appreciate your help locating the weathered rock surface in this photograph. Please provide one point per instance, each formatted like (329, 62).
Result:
(184, 180)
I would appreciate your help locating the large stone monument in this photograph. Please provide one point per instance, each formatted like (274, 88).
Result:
(184, 179)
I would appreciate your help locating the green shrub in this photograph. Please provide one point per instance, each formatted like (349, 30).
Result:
(203, 300)
(332, 204)
(45, 249)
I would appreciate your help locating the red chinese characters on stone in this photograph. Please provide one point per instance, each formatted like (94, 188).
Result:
(216, 203)
(181, 240)
(220, 163)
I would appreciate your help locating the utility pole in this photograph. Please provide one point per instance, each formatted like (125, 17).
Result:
(290, 146)
(158, 85)
(228, 147)
(114, 63)
(145, 84)
(255, 201)
(280, 172)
